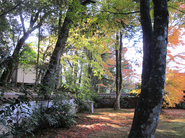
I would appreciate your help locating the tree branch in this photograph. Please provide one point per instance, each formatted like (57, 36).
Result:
(84, 2)
(39, 24)
(176, 9)
(32, 21)
(70, 63)
(10, 10)
(122, 13)
(22, 22)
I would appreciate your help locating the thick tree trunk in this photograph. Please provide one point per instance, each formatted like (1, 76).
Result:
(12, 61)
(58, 70)
(147, 38)
(118, 75)
(48, 80)
(150, 102)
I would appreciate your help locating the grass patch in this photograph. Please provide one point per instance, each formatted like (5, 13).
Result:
(108, 123)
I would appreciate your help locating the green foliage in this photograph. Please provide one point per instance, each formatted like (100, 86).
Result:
(96, 98)
(181, 105)
(3, 26)
(82, 103)
(5, 52)
(114, 15)
(128, 102)
(85, 92)
(28, 55)
(83, 95)
(60, 114)
(82, 106)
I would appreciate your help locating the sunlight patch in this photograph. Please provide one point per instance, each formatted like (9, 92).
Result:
(92, 126)
(113, 125)
(128, 114)
(86, 126)
(104, 117)
(112, 114)
(98, 117)
(177, 120)
(168, 131)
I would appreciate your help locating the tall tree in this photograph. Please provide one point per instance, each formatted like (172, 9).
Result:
(149, 105)
(38, 53)
(48, 79)
(35, 22)
(118, 74)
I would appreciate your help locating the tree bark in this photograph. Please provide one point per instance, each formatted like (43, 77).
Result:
(147, 38)
(75, 70)
(89, 67)
(149, 105)
(80, 75)
(38, 56)
(49, 80)
(118, 74)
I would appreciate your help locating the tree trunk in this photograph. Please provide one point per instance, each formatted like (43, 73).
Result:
(150, 102)
(12, 62)
(59, 68)
(49, 80)
(80, 77)
(118, 75)
(38, 55)
(147, 38)
(89, 55)
(75, 70)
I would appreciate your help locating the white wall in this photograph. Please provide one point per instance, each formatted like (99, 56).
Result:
(26, 75)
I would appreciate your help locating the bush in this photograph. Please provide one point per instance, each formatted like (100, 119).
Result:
(81, 105)
(123, 103)
(11, 119)
(11, 116)
(56, 113)
(59, 114)
(96, 98)
(180, 105)
(128, 102)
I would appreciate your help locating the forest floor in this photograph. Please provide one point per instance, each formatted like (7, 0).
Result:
(108, 123)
